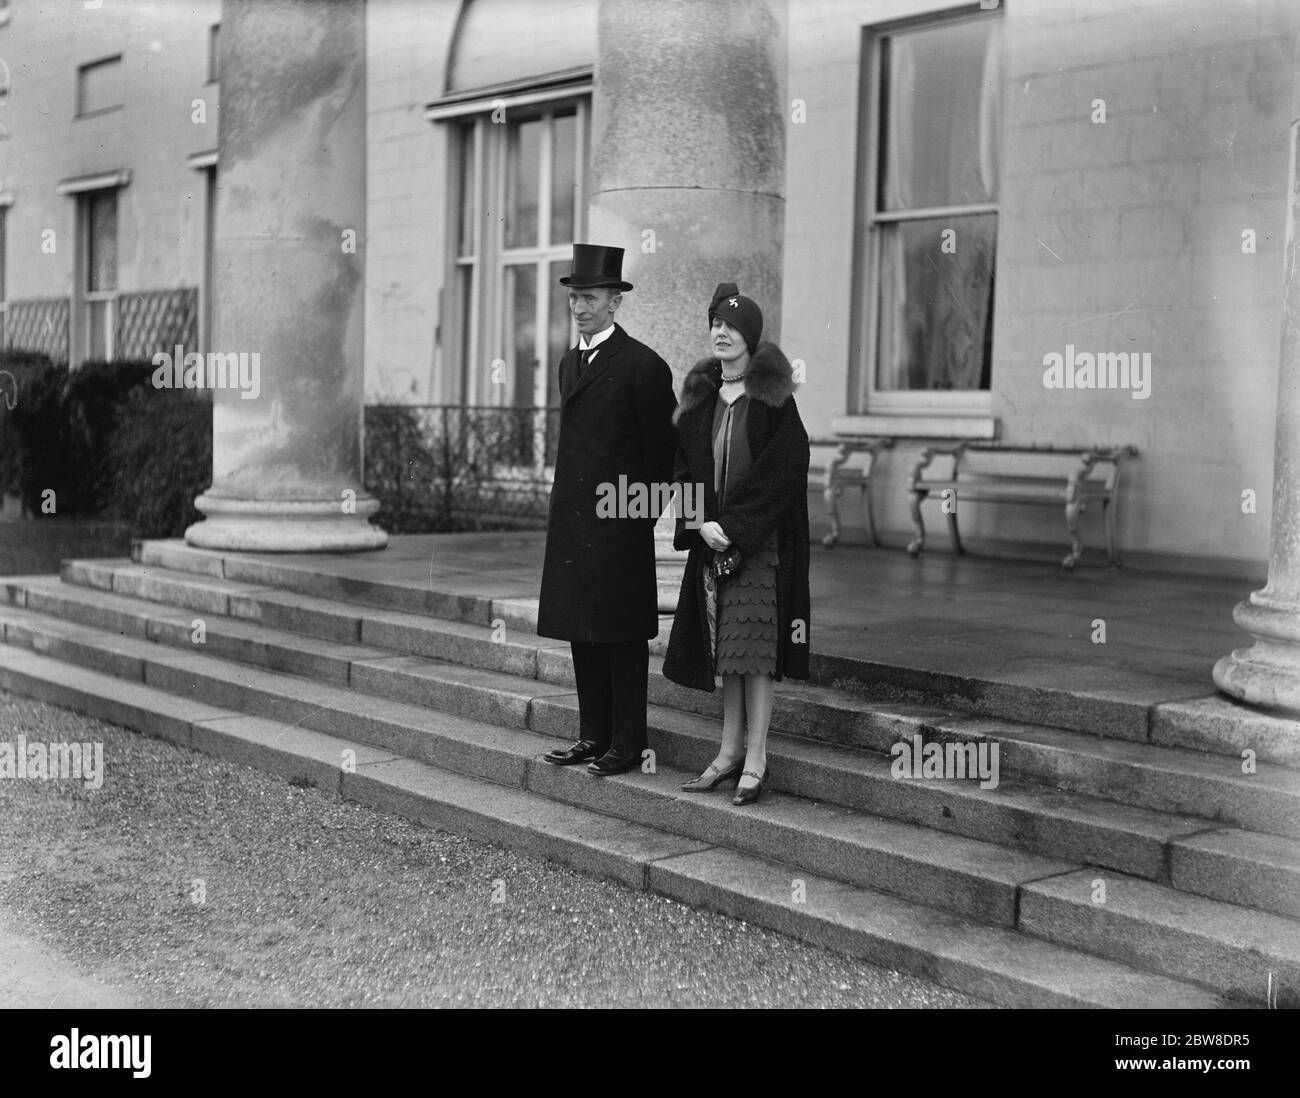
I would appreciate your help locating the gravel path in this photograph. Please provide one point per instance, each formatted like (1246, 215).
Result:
(187, 881)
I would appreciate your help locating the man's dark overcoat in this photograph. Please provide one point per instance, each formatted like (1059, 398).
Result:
(598, 580)
(773, 496)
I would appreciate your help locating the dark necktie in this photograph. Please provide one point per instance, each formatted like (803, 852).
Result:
(583, 358)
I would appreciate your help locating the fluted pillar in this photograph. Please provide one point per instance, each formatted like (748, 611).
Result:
(688, 171)
(1268, 672)
(289, 247)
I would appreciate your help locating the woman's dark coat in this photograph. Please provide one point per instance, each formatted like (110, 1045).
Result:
(598, 579)
(774, 495)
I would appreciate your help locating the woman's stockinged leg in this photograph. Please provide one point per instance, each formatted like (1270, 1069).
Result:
(758, 693)
(733, 721)
(731, 753)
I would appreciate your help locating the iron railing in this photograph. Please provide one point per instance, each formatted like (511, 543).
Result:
(438, 467)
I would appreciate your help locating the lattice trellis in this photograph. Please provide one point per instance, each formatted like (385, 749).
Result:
(38, 324)
(148, 321)
(157, 320)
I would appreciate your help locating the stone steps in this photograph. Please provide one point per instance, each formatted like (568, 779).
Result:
(975, 878)
(1207, 787)
(1037, 819)
(991, 962)
(489, 736)
(1188, 852)
(1203, 722)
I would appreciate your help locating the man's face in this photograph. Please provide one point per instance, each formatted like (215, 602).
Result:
(593, 310)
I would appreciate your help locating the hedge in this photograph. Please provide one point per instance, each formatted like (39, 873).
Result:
(104, 441)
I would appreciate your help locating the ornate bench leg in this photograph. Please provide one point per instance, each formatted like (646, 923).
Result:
(917, 543)
(1072, 511)
(866, 512)
(953, 532)
(831, 495)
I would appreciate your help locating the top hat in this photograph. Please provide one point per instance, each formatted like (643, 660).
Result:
(595, 265)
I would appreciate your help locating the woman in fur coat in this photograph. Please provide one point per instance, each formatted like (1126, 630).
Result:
(740, 437)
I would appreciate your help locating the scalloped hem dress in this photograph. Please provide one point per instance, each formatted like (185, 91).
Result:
(747, 608)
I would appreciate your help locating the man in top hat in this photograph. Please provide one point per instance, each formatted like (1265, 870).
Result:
(598, 580)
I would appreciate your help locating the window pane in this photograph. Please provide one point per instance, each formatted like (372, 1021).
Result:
(939, 116)
(101, 260)
(936, 303)
(99, 86)
(521, 336)
(561, 338)
(563, 181)
(468, 192)
(3, 217)
(470, 384)
(561, 335)
(521, 333)
(523, 159)
(214, 54)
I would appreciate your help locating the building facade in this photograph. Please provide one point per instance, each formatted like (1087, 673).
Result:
(930, 200)
(107, 160)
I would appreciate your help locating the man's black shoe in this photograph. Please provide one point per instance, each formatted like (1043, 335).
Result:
(574, 753)
(615, 762)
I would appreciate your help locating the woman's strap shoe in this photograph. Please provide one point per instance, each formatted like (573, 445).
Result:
(749, 796)
(706, 783)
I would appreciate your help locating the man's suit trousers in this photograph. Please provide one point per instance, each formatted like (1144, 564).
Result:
(612, 683)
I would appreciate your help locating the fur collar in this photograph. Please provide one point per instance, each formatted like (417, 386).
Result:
(769, 379)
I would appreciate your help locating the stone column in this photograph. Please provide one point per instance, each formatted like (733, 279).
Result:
(688, 171)
(289, 247)
(1268, 672)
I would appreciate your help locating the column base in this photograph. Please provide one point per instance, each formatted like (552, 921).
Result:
(1267, 673)
(285, 526)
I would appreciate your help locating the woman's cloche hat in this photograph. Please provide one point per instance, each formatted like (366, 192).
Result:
(741, 312)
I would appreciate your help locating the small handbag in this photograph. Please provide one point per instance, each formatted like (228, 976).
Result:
(725, 562)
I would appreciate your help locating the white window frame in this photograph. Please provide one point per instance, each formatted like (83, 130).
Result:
(464, 378)
(486, 341)
(80, 91)
(85, 297)
(864, 397)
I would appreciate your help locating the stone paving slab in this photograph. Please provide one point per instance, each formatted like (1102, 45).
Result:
(882, 589)
(1214, 722)
(1153, 926)
(1240, 867)
(1005, 967)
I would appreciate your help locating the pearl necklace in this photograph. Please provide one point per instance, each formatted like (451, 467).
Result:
(732, 380)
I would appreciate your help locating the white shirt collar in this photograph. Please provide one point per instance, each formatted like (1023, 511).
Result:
(584, 344)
